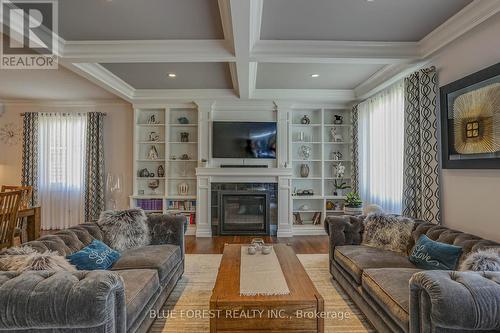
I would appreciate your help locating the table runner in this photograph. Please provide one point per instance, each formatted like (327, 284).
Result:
(261, 274)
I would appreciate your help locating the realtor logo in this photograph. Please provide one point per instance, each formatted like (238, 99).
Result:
(29, 34)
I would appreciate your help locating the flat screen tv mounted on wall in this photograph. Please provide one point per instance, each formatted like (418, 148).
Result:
(244, 140)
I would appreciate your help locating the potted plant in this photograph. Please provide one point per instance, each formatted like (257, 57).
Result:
(353, 204)
(340, 187)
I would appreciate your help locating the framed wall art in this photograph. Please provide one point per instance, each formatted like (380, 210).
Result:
(470, 121)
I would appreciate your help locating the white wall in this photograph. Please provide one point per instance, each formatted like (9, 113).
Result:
(117, 140)
(471, 198)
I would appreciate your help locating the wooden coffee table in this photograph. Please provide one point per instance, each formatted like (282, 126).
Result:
(300, 311)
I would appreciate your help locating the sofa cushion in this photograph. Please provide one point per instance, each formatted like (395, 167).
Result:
(356, 258)
(140, 286)
(389, 287)
(163, 258)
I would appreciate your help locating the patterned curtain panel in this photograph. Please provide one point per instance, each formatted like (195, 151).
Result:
(30, 153)
(421, 162)
(355, 154)
(94, 172)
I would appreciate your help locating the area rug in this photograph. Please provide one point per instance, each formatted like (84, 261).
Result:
(192, 293)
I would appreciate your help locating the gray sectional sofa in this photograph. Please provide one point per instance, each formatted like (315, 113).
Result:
(119, 300)
(396, 296)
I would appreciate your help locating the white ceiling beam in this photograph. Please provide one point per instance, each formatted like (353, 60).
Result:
(458, 25)
(325, 52)
(338, 96)
(142, 95)
(124, 51)
(103, 78)
(246, 18)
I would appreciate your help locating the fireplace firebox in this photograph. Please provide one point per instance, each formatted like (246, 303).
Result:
(244, 213)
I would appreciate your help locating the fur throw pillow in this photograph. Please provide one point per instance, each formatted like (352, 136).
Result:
(482, 260)
(25, 258)
(388, 232)
(125, 229)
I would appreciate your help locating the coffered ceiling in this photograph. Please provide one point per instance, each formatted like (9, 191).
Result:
(321, 50)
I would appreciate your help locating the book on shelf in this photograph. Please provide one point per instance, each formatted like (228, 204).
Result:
(150, 204)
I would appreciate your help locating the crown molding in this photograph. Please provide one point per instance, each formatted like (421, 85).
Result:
(103, 78)
(64, 103)
(336, 96)
(244, 105)
(465, 20)
(125, 51)
(301, 51)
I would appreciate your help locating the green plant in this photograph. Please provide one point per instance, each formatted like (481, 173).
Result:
(340, 186)
(353, 200)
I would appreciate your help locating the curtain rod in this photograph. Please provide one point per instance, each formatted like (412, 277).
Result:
(62, 113)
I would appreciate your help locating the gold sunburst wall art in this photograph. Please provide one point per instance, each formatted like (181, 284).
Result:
(476, 121)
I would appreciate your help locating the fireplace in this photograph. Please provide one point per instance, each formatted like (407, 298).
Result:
(244, 213)
(244, 208)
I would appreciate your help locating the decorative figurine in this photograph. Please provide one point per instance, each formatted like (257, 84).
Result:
(183, 120)
(144, 172)
(184, 137)
(153, 136)
(173, 157)
(338, 119)
(160, 171)
(153, 153)
(152, 119)
(185, 157)
(336, 155)
(305, 120)
(334, 136)
(330, 205)
(297, 219)
(305, 152)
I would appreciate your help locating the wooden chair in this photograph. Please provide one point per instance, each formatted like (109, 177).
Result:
(26, 196)
(9, 206)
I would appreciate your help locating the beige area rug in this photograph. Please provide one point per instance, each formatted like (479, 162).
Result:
(194, 289)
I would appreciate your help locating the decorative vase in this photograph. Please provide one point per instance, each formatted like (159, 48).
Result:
(304, 170)
(305, 152)
(338, 119)
(353, 210)
(184, 137)
(183, 189)
(305, 120)
(161, 171)
(183, 120)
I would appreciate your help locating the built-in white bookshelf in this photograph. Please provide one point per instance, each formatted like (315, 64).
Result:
(330, 145)
(165, 160)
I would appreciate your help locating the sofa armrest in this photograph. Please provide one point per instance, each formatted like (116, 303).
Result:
(62, 300)
(454, 300)
(167, 229)
(343, 230)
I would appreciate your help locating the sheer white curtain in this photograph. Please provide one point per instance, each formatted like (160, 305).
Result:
(61, 169)
(381, 147)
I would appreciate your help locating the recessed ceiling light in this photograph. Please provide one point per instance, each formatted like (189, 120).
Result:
(314, 75)
(172, 75)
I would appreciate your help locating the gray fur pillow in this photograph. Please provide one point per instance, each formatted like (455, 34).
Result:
(125, 229)
(482, 260)
(388, 232)
(25, 258)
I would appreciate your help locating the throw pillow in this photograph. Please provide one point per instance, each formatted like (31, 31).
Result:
(429, 254)
(388, 232)
(482, 260)
(96, 255)
(125, 229)
(25, 258)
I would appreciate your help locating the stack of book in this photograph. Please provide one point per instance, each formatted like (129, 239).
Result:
(150, 204)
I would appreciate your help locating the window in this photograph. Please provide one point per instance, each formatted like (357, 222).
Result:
(381, 148)
(61, 169)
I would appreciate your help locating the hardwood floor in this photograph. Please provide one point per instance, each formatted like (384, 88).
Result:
(215, 245)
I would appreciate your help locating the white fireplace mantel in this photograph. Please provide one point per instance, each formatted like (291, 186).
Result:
(206, 176)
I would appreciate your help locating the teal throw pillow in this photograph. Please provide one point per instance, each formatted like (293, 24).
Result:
(96, 255)
(429, 254)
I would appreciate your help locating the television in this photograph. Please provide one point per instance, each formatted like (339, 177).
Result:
(244, 140)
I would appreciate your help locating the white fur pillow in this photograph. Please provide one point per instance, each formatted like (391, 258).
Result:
(482, 260)
(388, 232)
(125, 229)
(25, 258)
